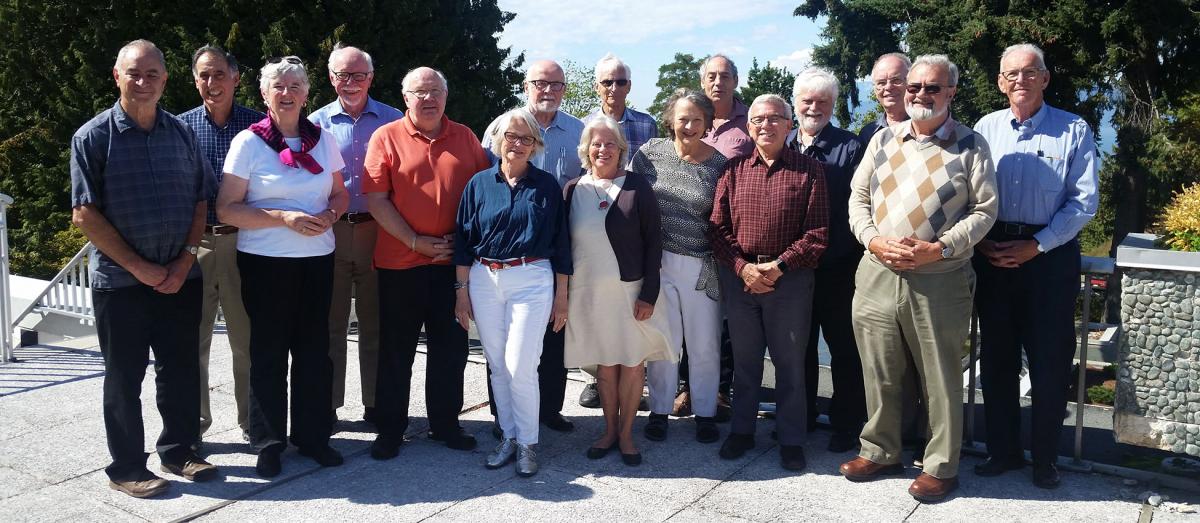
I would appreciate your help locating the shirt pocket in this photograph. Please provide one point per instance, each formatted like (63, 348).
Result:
(1050, 172)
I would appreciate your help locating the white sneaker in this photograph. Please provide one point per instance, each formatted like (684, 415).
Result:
(503, 454)
(527, 464)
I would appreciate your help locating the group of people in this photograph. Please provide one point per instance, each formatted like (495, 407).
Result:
(592, 244)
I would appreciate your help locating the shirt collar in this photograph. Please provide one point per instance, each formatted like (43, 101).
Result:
(1029, 125)
(124, 122)
(739, 111)
(371, 107)
(820, 141)
(785, 157)
(945, 132)
(413, 131)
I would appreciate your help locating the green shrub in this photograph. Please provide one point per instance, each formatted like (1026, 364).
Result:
(1100, 395)
(1181, 221)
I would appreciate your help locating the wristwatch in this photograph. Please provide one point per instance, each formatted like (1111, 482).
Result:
(194, 250)
(781, 265)
(461, 285)
(947, 252)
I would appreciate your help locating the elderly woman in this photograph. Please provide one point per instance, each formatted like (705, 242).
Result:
(509, 247)
(283, 188)
(616, 245)
(683, 170)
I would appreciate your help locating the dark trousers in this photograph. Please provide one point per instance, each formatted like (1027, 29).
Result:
(131, 322)
(408, 300)
(776, 321)
(833, 294)
(287, 300)
(1031, 307)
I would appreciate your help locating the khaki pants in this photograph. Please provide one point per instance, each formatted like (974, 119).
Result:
(927, 317)
(223, 288)
(354, 275)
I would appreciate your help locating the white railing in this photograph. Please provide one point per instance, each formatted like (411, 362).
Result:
(6, 339)
(69, 293)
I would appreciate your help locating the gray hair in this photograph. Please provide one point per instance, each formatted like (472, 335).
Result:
(230, 61)
(938, 60)
(411, 76)
(271, 72)
(704, 64)
(1026, 48)
(898, 56)
(585, 141)
(775, 99)
(815, 79)
(144, 45)
(696, 98)
(347, 48)
(504, 122)
(612, 59)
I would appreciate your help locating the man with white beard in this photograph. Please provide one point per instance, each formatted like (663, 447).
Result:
(920, 202)
(839, 151)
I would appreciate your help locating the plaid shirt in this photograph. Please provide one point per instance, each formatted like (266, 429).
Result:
(639, 128)
(779, 211)
(214, 141)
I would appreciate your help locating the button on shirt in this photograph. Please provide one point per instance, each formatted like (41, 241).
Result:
(559, 157)
(839, 152)
(639, 127)
(353, 136)
(781, 210)
(145, 183)
(1046, 171)
(502, 222)
(214, 140)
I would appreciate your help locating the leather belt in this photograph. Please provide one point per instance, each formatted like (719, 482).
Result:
(220, 229)
(496, 265)
(1015, 229)
(357, 217)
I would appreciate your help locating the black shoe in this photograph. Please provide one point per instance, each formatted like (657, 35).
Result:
(268, 463)
(632, 460)
(386, 447)
(497, 432)
(369, 415)
(792, 457)
(558, 423)
(324, 456)
(590, 397)
(842, 442)
(1046, 476)
(706, 430)
(736, 445)
(995, 466)
(656, 428)
(458, 440)
(600, 452)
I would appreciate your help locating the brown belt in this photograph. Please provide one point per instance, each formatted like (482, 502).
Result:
(220, 229)
(496, 265)
(356, 217)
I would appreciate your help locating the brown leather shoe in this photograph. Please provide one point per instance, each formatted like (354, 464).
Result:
(193, 468)
(928, 489)
(147, 485)
(863, 469)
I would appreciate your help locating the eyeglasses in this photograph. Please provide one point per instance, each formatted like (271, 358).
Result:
(884, 83)
(346, 76)
(773, 119)
(621, 82)
(1017, 74)
(289, 59)
(426, 93)
(543, 84)
(514, 139)
(929, 88)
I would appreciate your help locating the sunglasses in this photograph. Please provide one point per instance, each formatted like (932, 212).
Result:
(929, 88)
(609, 83)
(289, 59)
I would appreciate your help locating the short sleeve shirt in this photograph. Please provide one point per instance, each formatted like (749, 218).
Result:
(353, 136)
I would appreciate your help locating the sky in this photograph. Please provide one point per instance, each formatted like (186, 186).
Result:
(646, 34)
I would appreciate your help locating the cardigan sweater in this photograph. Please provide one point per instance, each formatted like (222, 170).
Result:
(634, 228)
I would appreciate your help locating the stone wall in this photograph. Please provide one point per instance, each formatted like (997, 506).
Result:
(1158, 381)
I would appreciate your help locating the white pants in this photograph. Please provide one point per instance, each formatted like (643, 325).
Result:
(693, 316)
(511, 308)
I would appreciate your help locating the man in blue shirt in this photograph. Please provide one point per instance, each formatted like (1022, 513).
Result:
(839, 151)
(1028, 267)
(216, 121)
(613, 85)
(353, 118)
(888, 77)
(139, 187)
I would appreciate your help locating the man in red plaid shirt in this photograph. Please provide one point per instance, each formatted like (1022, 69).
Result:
(770, 225)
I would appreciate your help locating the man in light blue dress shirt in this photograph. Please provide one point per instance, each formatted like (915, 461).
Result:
(352, 119)
(1028, 267)
(613, 84)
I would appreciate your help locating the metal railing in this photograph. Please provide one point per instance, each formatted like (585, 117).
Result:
(6, 339)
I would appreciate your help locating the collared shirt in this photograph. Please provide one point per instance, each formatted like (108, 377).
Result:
(1046, 171)
(780, 210)
(425, 181)
(730, 137)
(214, 140)
(352, 137)
(839, 152)
(145, 183)
(871, 128)
(559, 157)
(502, 222)
(639, 127)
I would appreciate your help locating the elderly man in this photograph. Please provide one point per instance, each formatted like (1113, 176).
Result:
(888, 77)
(923, 198)
(215, 123)
(719, 79)
(839, 152)
(139, 191)
(613, 85)
(1028, 265)
(353, 118)
(416, 169)
(770, 224)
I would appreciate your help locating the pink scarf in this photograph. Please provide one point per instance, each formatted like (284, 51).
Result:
(310, 134)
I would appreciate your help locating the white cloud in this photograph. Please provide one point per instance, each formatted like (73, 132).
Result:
(795, 61)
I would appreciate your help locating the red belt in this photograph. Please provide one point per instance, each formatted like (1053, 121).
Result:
(496, 265)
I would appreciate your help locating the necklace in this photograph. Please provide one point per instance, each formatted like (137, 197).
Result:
(603, 198)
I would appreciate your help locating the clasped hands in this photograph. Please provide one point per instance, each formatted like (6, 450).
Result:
(760, 278)
(308, 224)
(1010, 254)
(905, 254)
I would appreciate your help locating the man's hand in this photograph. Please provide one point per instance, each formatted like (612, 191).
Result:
(151, 274)
(177, 271)
(770, 272)
(893, 252)
(1011, 254)
(754, 280)
(923, 252)
(434, 247)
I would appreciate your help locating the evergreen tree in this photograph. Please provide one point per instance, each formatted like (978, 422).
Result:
(767, 79)
(683, 71)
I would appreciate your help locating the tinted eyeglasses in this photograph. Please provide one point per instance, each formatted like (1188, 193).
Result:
(929, 88)
(345, 76)
(289, 59)
(621, 82)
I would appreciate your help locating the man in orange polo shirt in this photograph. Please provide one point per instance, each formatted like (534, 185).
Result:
(416, 170)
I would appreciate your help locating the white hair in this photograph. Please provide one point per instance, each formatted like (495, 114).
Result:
(504, 122)
(412, 74)
(815, 79)
(270, 72)
(340, 48)
(938, 60)
(772, 98)
(704, 64)
(585, 141)
(898, 56)
(612, 59)
(144, 45)
(1026, 48)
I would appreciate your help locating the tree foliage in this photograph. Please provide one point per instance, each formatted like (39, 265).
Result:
(766, 79)
(579, 97)
(58, 58)
(683, 71)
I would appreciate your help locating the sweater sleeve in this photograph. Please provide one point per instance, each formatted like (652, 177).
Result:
(650, 220)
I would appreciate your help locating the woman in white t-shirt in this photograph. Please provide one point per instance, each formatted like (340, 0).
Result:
(283, 188)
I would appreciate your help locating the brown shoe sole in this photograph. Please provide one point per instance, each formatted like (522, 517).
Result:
(934, 498)
(143, 494)
(886, 470)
